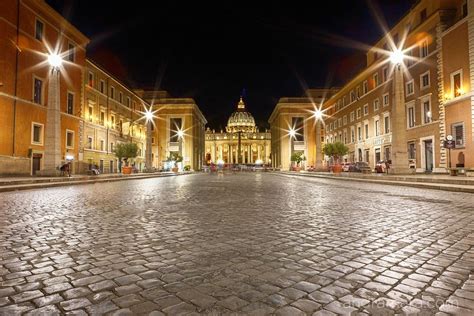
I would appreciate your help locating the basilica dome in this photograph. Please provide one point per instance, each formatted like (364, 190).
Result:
(241, 120)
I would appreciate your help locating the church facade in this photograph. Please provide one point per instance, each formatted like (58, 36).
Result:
(241, 143)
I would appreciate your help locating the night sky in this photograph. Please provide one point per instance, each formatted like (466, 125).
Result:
(211, 53)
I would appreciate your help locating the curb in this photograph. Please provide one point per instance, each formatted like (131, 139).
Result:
(52, 184)
(421, 185)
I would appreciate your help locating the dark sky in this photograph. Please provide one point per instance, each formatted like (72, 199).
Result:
(212, 52)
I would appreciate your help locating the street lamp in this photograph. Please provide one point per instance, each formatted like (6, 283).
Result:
(149, 115)
(52, 144)
(399, 154)
(318, 116)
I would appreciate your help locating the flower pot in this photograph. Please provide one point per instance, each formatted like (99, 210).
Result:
(174, 169)
(297, 168)
(127, 170)
(337, 168)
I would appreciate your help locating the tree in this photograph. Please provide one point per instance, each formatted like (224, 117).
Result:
(335, 150)
(298, 157)
(125, 151)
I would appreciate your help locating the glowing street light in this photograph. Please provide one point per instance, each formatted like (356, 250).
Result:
(55, 60)
(397, 56)
(180, 133)
(318, 114)
(292, 132)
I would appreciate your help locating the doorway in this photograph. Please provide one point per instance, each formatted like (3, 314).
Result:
(377, 155)
(428, 147)
(111, 166)
(101, 166)
(36, 163)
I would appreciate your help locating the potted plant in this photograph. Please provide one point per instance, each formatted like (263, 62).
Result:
(175, 158)
(297, 157)
(336, 151)
(126, 151)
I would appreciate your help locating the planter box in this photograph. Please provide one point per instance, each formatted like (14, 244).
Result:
(127, 170)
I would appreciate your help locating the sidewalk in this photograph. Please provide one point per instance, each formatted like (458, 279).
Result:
(26, 183)
(426, 181)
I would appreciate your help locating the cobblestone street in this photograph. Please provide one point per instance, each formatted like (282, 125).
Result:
(248, 244)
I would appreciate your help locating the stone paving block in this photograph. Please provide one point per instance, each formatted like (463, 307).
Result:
(101, 308)
(48, 300)
(180, 309)
(321, 297)
(340, 308)
(288, 311)
(46, 310)
(128, 300)
(26, 296)
(75, 303)
(127, 279)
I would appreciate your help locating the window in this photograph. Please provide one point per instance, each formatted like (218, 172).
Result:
(376, 79)
(38, 91)
(458, 134)
(102, 86)
(366, 109)
(411, 151)
(112, 92)
(71, 56)
(386, 123)
(120, 125)
(386, 99)
(39, 30)
(359, 113)
(427, 115)
(69, 139)
(352, 116)
(37, 133)
(365, 87)
(102, 145)
(153, 140)
(353, 96)
(359, 133)
(120, 97)
(423, 15)
(339, 122)
(112, 122)
(425, 80)
(385, 74)
(424, 49)
(376, 104)
(409, 88)
(89, 142)
(456, 83)
(128, 101)
(344, 120)
(377, 127)
(352, 134)
(366, 130)
(70, 103)
(111, 147)
(358, 92)
(91, 110)
(345, 137)
(90, 79)
(102, 118)
(411, 116)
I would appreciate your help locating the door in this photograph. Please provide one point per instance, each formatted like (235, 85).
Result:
(377, 155)
(428, 155)
(101, 166)
(36, 164)
(111, 166)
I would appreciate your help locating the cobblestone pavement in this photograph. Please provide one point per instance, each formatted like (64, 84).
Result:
(244, 244)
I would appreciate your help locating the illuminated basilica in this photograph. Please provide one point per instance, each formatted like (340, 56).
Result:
(241, 133)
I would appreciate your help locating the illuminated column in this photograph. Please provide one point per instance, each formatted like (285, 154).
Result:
(52, 144)
(249, 154)
(148, 158)
(259, 152)
(231, 154)
(399, 125)
(319, 153)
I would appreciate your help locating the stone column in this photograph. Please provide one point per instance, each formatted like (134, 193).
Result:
(249, 154)
(52, 143)
(148, 150)
(231, 154)
(399, 126)
(319, 153)
(221, 156)
(259, 152)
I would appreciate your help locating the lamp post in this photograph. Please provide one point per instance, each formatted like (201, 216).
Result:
(149, 150)
(399, 126)
(52, 143)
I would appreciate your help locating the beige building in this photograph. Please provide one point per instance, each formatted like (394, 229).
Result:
(295, 128)
(396, 111)
(178, 129)
(241, 134)
(112, 113)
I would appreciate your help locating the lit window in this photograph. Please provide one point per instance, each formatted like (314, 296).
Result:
(102, 145)
(120, 97)
(102, 118)
(377, 127)
(352, 116)
(385, 74)
(128, 101)
(102, 86)
(427, 115)
(112, 92)
(366, 109)
(359, 133)
(366, 129)
(386, 99)
(359, 113)
(71, 52)
(352, 134)
(112, 122)
(90, 80)
(91, 110)
(365, 87)
(424, 49)
(376, 79)
(386, 123)
(376, 104)
(456, 83)
(411, 116)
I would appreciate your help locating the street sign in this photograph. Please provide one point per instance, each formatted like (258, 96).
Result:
(449, 144)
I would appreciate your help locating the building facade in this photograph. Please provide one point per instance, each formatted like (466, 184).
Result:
(178, 129)
(241, 134)
(295, 128)
(112, 113)
(398, 112)
(30, 31)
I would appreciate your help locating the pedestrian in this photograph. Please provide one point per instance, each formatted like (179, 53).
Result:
(387, 165)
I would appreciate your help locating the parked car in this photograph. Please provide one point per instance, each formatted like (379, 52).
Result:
(359, 166)
(346, 166)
